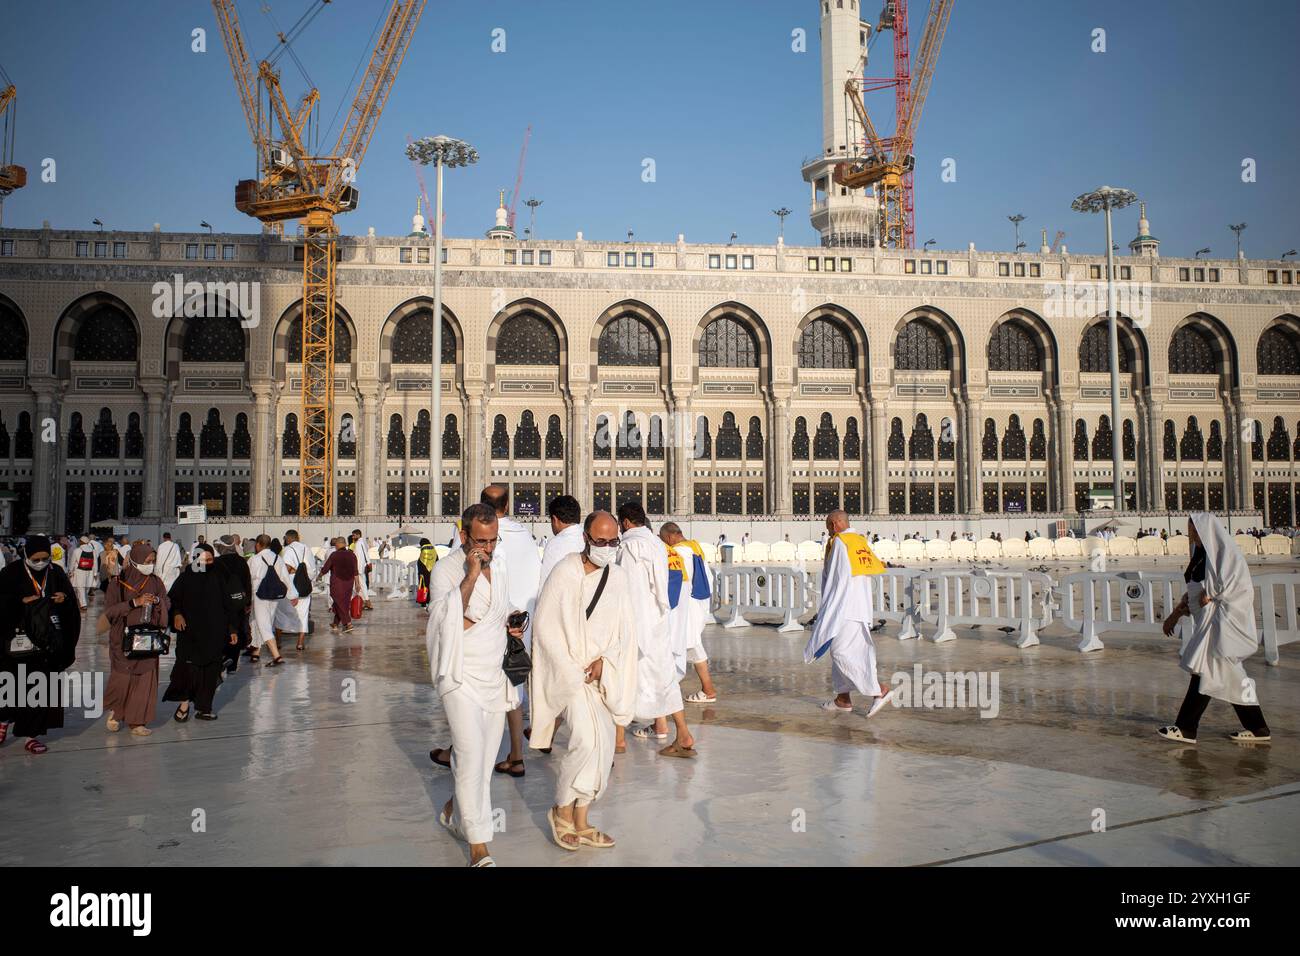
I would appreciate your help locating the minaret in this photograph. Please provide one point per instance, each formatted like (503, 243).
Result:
(417, 223)
(843, 217)
(1145, 244)
(502, 230)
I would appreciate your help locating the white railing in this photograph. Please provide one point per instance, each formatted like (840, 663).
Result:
(398, 577)
(1024, 602)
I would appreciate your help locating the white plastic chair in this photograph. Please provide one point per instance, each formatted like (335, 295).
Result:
(886, 549)
(1276, 544)
(1015, 548)
(783, 551)
(756, 552)
(1249, 544)
(936, 549)
(1040, 549)
(986, 549)
(1067, 547)
(1179, 544)
(962, 550)
(1122, 546)
(911, 550)
(1150, 546)
(811, 551)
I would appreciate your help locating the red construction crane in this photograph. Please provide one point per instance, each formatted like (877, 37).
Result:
(519, 177)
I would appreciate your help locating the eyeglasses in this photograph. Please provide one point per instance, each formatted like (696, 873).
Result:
(483, 542)
(602, 542)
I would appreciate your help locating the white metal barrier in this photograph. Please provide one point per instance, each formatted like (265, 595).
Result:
(398, 577)
(1021, 599)
(1268, 587)
(1093, 602)
(750, 589)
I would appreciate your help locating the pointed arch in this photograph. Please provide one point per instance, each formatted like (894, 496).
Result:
(537, 310)
(100, 320)
(412, 318)
(751, 322)
(287, 343)
(1202, 345)
(614, 333)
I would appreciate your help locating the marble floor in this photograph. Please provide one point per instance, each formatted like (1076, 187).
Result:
(325, 761)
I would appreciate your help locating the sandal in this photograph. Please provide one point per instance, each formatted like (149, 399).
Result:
(510, 767)
(254, 658)
(34, 746)
(113, 725)
(674, 749)
(275, 662)
(649, 731)
(451, 827)
(594, 838)
(437, 752)
(560, 829)
(301, 646)
(205, 715)
(141, 731)
(699, 697)
(486, 861)
(180, 717)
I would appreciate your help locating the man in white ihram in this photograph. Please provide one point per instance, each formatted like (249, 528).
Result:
(469, 597)
(844, 618)
(168, 563)
(584, 669)
(294, 612)
(264, 562)
(519, 551)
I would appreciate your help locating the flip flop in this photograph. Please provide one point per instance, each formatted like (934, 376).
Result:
(594, 838)
(560, 828)
(881, 701)
(436, 752)
(451, 827)
(486, 861)
(675, 750)
(510, 767)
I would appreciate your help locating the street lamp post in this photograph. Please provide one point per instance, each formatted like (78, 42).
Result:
(1104, 199)
(441, 151)
(1237, 228)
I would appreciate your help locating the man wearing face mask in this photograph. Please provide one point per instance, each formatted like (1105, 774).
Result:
(39, 628)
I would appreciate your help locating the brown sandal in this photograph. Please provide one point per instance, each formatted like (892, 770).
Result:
(509, 766)
(676, 750)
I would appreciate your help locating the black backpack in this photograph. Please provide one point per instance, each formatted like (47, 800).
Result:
(301, 580)
(271, 588)
(43, 627)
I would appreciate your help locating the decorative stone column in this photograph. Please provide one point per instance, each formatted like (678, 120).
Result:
(1155, 423)
(475, 445)
(263, 463)
(681, 448)
(371, 499)
(1065, 454)
(1243, 400)
(44, 457)
(974, 480)
(155, 466)
(778, 430)
(879, 439)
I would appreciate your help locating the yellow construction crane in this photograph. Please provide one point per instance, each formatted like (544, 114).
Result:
(888, 160)
(11, 176)
(293, 184)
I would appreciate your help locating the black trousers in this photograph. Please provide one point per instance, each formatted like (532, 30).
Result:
(1194, 704)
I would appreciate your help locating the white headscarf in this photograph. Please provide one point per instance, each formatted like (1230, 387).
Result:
(1228, 585)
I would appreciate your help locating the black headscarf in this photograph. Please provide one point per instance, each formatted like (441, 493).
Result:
(1196, 567)
(36, 543)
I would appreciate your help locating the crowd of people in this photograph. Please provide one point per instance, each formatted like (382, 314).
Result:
(591, 637)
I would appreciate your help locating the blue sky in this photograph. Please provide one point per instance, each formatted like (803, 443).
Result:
(144, 130)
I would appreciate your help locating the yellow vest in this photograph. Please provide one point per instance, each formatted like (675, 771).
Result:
(862, 560)
(675, 561)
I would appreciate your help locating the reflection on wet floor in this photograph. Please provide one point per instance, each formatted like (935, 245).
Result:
(324, 761)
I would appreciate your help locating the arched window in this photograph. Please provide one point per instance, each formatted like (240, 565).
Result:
(920, 447)
(1012, 348)
(1101, 442)
(826, 442)
(600, 442)
(290, 446)
(1278, 352)
(76, 437)
(1038, 442)
(185, 437)
(921, 347)
(213, 338)
(728, 438)
(1257, 443)
(947, 440)
(500, 441)
(703, 440)
(13, 338)
(347, 440)
(134, 437)
(450, 436)
(896, 445)
(1130, 442)
(627, 443)
(103, 440)
(527, 339)
(413, 340)
(1192, 447)
(754, 440)
(241, 443)
(1080, 440)
(825, 344)
(654, 446)
(1094, 350)
(212, 440)
(342, 341)
(22, 437)
(396, 438)
(106, 335)
(1214, 447)
(1192, 353)
(799, 443)
(728, 343)
(4, 436)
(1013, 440)
(1170, 442)
(420, 435)
(628, 340)
(528, 439)
(989, 441)
(1279, 442)
(852, 441)
(555, 439)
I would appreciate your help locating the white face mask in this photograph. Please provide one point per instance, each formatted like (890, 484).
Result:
(601, 556)
(39, 565)
(145, 569)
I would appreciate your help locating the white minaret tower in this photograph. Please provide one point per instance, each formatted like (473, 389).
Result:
(843, 217)
(1144, 244)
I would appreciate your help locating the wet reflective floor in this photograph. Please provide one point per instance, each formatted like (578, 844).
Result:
(325, 761)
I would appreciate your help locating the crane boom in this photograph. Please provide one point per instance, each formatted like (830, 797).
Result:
(12, 176)
(936, 25)
(519, 177)
(240, 65)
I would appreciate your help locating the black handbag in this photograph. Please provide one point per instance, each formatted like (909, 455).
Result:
(516, 663)
(145, 640)
(42, 628)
